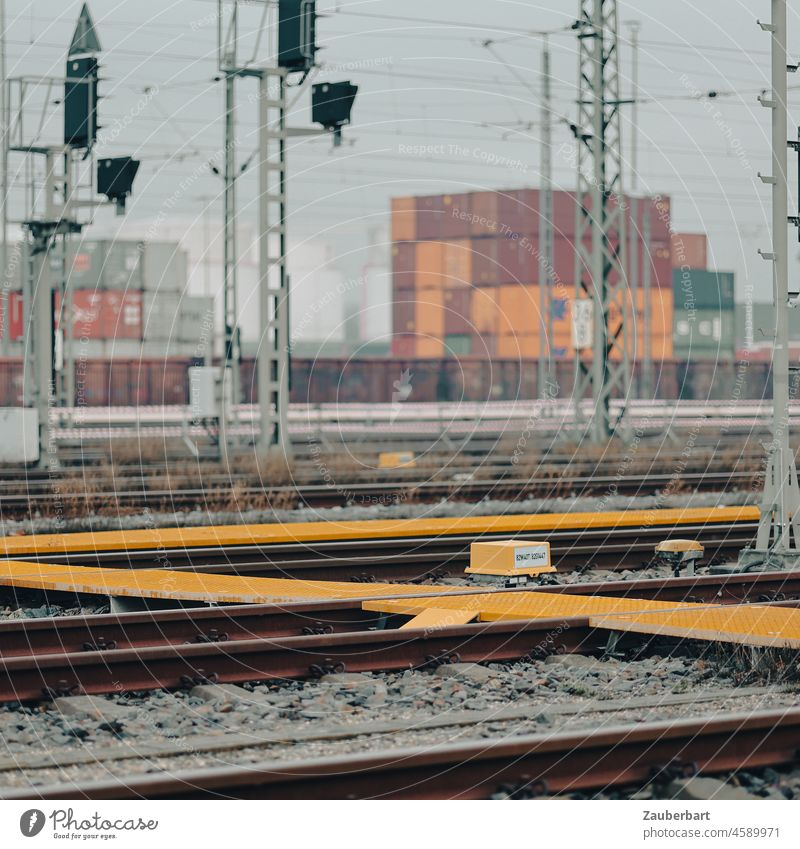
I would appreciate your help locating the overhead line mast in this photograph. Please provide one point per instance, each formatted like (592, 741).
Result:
(602, 303)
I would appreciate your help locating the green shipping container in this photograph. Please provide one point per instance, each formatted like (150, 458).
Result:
(704, 334)
(696, 289)
(458, 345)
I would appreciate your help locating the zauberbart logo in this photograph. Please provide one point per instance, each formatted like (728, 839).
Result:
(31, 822)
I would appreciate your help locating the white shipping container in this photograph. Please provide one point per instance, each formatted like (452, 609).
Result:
(20, 429)
(165, 267)
(161, 316)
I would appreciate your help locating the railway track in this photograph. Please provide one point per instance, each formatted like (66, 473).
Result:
(416, 558)
(46, 658)
(111, 500)
(522, 767)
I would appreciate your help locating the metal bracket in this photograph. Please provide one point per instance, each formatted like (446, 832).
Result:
(766, 27)
(611, 643)
(327, 667)
(770, 257)
(100, 644)
(766, 179)
(767, 104)
(200, 678)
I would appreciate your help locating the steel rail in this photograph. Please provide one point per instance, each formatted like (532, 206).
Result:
(355, 493)
(522, 767)
(175, 666)
(50, 635)
(412, 558)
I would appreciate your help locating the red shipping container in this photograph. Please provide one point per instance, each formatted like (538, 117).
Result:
(16, 327)
(404, 345)
(430, 215)
(485, 212)
(518, 259)
(403, 311)
(485, 262)
(108, 314)
(518, 211)
(455, 221)
(564, 212)
(403, 265)
(690, 250)
(458, 311)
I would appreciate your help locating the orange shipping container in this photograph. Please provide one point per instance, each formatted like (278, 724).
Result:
(457, 263)
(429, 314)
(519, 309)
(429, 265)
(404, 219)
(484, 313)
(661, 309)
(523, 346)
(431, 348)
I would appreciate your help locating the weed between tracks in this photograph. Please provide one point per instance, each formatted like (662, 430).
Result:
(748, 665)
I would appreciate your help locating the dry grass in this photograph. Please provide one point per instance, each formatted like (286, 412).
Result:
(749, 665)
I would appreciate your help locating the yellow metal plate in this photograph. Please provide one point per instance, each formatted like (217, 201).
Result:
(224, 535)
(433, 619)
(520, 605)
(191, 586)
(751, 625)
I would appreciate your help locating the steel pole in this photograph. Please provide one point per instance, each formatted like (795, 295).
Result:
(779, 528)
(546, 232)
(784, 459)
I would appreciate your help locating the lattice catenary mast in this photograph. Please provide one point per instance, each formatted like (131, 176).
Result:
(602, 358)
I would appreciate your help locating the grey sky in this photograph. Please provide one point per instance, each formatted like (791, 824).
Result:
(433, 84)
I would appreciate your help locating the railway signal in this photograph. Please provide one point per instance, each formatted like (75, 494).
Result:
(65, 206)
(331, 106)
(297, 33)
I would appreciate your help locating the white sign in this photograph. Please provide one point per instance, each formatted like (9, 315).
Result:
(582, 323)
(531, 555)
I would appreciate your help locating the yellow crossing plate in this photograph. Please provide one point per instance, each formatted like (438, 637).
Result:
(192, 586)
(224, 535)
(751, 625)
(520, 605)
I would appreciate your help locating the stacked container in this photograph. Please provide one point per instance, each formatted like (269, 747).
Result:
(704, 323)
(467, 276)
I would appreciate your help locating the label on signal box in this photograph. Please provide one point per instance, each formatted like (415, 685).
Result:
(531, 555)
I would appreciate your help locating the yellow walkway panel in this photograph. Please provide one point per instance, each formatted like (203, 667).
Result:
(519, 605)
(192, 586)
(747, 624)
(228, 535)
(436, 618)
